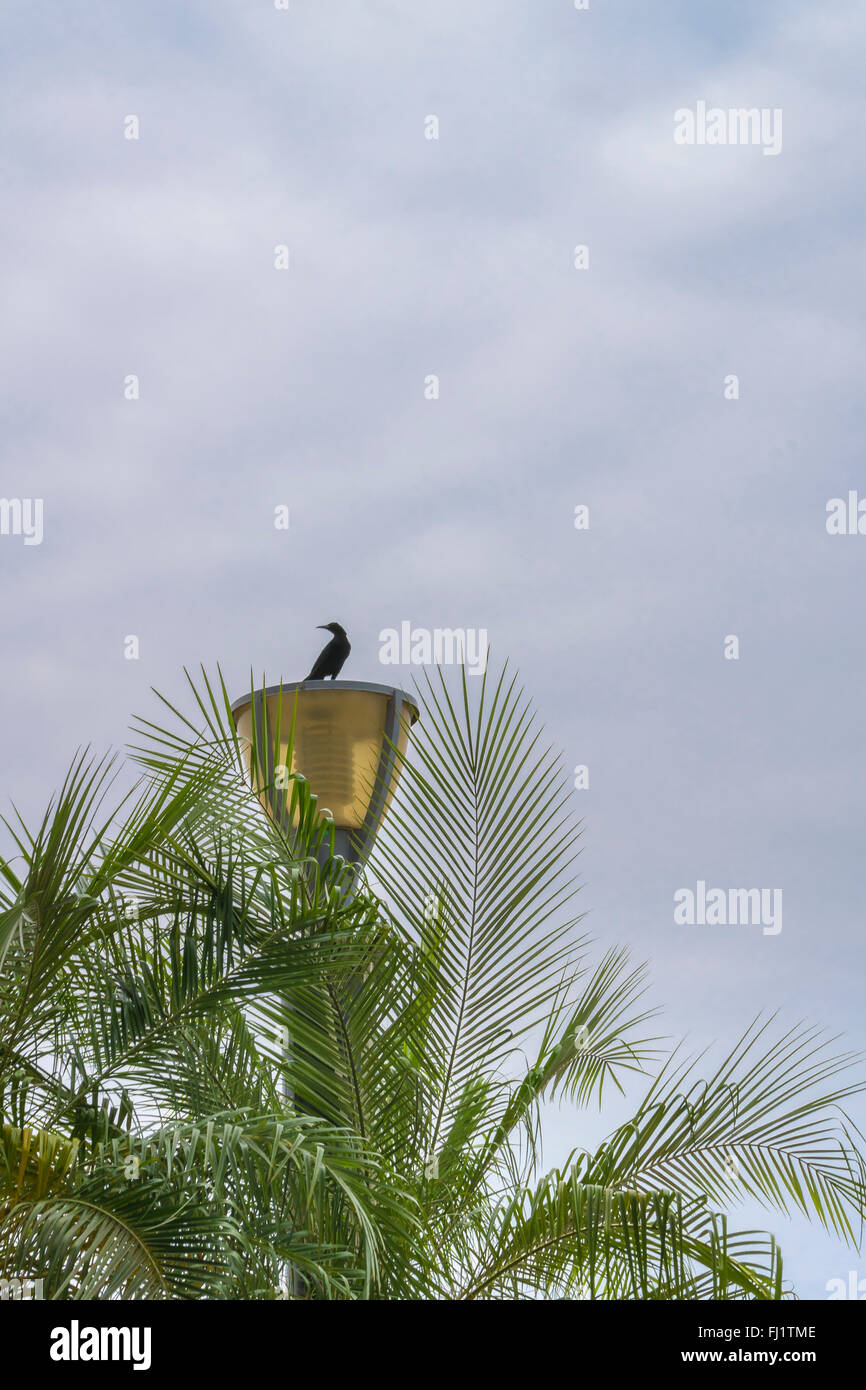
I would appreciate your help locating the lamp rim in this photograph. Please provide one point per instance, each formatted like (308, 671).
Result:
(390, 691)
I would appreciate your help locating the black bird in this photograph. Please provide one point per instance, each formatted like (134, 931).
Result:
(330, 660)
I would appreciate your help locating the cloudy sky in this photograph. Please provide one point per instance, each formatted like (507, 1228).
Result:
(558, 387)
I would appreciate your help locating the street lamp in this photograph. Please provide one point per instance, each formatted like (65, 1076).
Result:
(345, 738)
(339, 735)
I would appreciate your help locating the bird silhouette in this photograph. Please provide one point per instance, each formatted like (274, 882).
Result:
(330, 660)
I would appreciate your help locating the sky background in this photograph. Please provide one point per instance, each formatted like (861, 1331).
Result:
(558, 387)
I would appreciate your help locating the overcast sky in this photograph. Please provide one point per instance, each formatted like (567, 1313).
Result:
(604, 387)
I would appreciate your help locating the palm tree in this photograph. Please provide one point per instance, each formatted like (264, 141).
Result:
(224, 1076)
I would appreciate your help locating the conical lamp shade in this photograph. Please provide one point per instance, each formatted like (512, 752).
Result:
(340, 735)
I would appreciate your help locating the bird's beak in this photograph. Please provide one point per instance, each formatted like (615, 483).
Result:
(323, 626)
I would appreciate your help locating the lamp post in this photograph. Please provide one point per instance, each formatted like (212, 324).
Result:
(345, 738)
